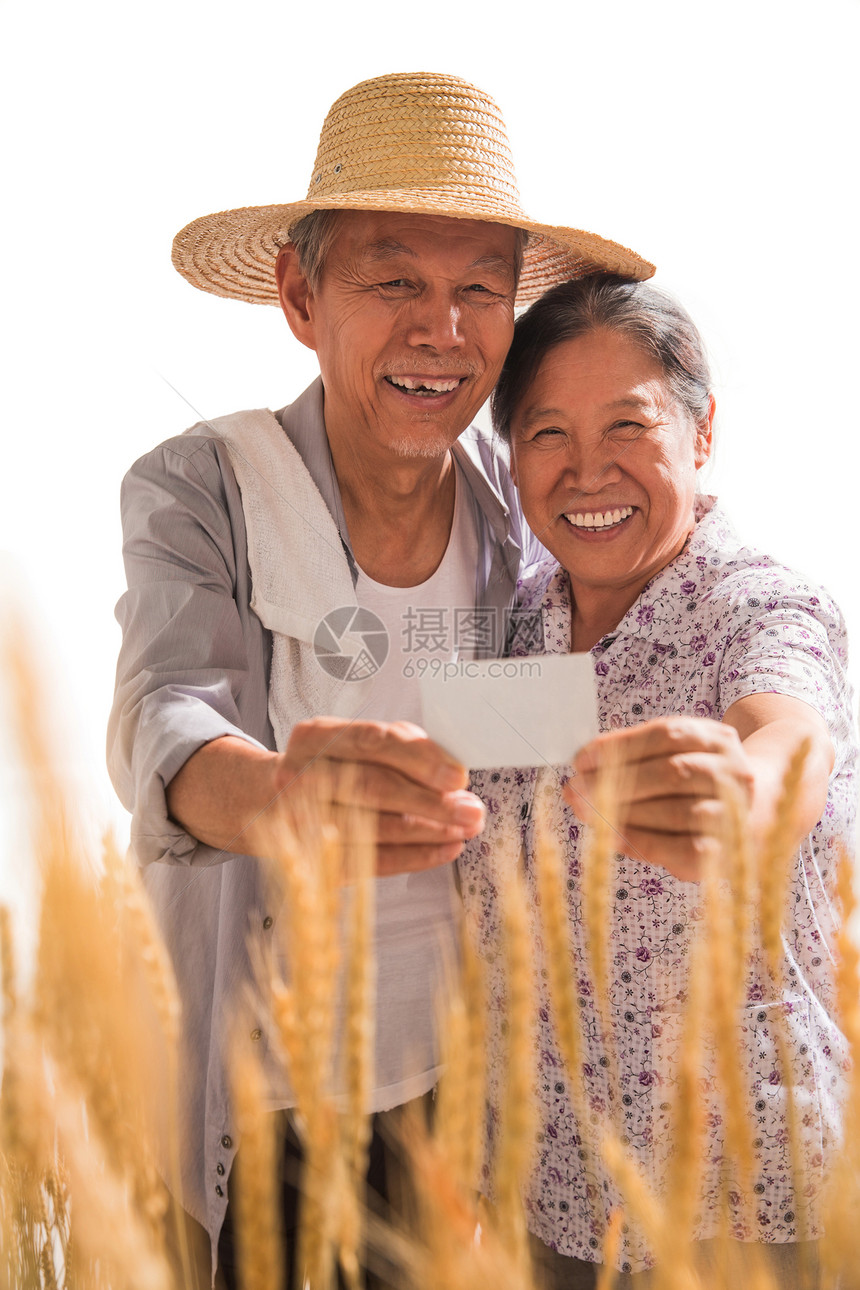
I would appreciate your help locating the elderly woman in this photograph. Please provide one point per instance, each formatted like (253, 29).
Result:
(712, 662)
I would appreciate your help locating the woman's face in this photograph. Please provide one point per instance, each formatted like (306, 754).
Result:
(606, 458)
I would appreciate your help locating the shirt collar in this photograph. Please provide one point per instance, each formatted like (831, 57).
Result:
(685, 580)
(712, 544)
(304, 423)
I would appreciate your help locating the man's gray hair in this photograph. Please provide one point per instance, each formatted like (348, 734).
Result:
(315, 234)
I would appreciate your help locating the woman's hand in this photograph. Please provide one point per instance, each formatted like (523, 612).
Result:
(675, 774)
(670, 779)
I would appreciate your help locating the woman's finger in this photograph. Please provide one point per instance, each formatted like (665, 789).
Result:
(664, 737)
(690, 814)
(693, 774)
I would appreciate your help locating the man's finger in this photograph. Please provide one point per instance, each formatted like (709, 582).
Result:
(379, 789)
(407, 830)
(398, 745)
(413, 859)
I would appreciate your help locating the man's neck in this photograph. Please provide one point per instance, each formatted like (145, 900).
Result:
(399, 519)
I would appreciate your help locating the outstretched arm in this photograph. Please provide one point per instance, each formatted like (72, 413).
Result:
(673, 775)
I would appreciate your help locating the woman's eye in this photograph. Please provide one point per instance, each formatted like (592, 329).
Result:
(627, 429)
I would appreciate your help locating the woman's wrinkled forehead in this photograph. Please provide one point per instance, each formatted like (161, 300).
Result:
(603, 371)
(646, 316)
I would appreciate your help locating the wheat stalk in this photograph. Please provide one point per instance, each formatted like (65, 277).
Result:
(517, 1122)
(606, 1275)
(257, 1195)
(458, 1118)
(726, 939)
(560, 969)
(838, 1248)
(599, 844)
(777, 855)
(774, 879)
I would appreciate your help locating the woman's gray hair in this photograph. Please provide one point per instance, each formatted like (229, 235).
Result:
(314, 235)
(648, 316)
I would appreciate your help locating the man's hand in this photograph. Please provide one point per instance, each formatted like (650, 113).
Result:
(232, 795)
(670, 781)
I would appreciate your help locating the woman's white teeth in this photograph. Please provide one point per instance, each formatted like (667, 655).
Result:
(599, 519)
(425, 386)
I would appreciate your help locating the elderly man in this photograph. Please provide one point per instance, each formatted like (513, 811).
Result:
(280, 567)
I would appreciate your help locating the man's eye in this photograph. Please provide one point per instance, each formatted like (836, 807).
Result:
(482, 289)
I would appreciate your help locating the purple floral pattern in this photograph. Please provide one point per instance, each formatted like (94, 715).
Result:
(720, 622)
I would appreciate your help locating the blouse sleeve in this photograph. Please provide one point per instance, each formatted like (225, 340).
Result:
(787, 637)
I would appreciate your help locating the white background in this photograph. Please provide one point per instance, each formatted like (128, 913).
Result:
(718, 140)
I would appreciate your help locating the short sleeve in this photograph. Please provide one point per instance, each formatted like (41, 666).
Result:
(787, 637)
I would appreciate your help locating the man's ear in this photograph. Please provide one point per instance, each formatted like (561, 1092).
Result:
(705, 436)
(295, 295)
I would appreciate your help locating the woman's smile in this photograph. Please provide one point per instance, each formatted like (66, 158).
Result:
(596, 521)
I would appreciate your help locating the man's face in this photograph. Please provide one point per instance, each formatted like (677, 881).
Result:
(411, 323)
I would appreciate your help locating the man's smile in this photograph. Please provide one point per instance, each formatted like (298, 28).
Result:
(426, 386)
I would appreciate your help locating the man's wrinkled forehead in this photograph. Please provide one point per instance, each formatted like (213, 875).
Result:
(389, 250)
(385, 238)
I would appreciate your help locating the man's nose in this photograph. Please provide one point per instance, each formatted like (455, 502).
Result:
(435, 320)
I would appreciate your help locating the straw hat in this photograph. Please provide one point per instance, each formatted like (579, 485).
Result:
(416, 142)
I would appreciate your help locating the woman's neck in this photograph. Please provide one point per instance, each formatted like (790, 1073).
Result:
(595, 614)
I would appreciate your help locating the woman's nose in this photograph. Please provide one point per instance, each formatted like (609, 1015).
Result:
(591, 466)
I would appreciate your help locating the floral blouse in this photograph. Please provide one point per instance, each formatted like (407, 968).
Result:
(720, 622)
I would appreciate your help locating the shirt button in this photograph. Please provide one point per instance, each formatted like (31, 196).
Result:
(219, 1169)
(219, 1191)
(267, 921)
(227, 1142)
(256, 1034)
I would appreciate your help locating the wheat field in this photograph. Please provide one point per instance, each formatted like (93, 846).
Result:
(83, 1205)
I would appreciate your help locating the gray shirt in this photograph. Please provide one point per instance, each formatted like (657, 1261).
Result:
(194, 666)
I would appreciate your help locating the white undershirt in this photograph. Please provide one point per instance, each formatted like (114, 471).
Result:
(417, 924)
(417, 914)
(422, 621)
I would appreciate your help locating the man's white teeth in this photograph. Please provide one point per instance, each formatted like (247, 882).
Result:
(598, 519)
(423, 386)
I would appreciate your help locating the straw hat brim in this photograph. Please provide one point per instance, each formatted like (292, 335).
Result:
(233, 253)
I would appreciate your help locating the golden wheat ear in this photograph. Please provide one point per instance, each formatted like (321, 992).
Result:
(89, 1024)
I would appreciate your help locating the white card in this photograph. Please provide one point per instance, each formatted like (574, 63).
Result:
(536, 711)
